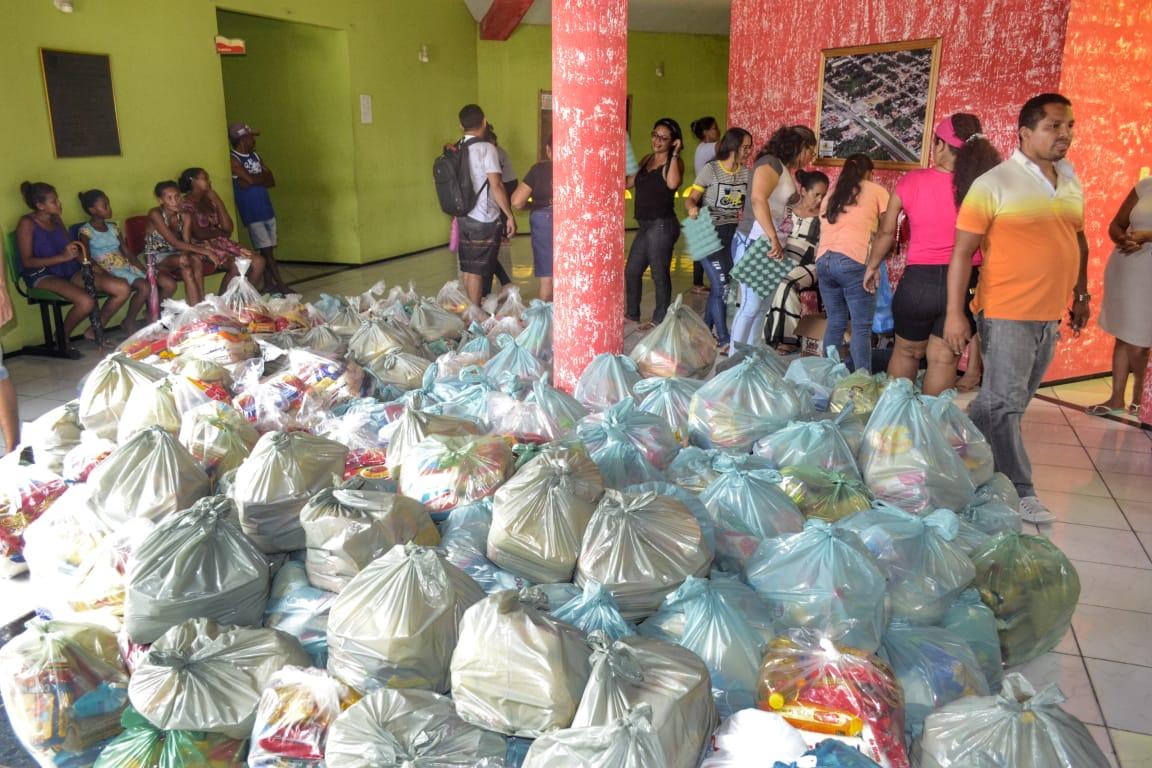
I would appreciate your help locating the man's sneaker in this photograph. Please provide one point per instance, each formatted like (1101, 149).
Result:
(1032, 510)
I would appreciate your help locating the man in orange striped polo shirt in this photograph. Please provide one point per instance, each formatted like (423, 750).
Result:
(1027, 216)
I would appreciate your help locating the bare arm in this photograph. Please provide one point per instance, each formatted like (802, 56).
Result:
(24, 235)
(1118, 229)
(226, 224)
(956, 329)
(764, 181)
(693, 204)
(520, 196)
(883, 242)
(675, 173)
(1081, 311)
(244, 178)
(181, 241)
(500, 195)
(266, 177)
(132, 258)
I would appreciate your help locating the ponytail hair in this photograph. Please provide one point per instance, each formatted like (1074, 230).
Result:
(700, 125)
(975, 158)
(847, 188)
(88, 198)
(35, 192)
(730, 142)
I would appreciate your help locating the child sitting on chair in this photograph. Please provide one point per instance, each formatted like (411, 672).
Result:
(106, 247)
(168, 241)
(50, 260)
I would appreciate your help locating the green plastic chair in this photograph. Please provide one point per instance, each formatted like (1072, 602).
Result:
(51, 306)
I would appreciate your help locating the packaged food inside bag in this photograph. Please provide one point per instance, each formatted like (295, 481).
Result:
(669, 398)
(801, 576)
(396, 622)
(151, 475)
(999, 489)
(753, 738)
(970, 445)
(817, 376)
(433, 322)
(413, 425)
(625, 742)
(346, 528)
(444, 472)
(26, 493)
(513, 359)
(906, 460)
(218, 436)
(1032, 588)
(933, 667)
(195, 564)
(594, 610)
(693, 469)
(516, 670)
(681, 345)
(323, 341)
(345, 320)
(201, 676)
(823, 494)
(143, 745)
(974, 622)
(818, 444)
(564, 410)
(835, 690)
(862, 390)
(64, 687)
(106, 389)
(53, 435)
(741, 405)
(210, 331)
(397, 368)
(747, 506)
(714, 620)
(374, 339)
(57, 543)
(691, 502)
(1019, 727)
(150, 404)
(453, 298)
(541, 513)
(641, 547)
(149, 344)
(523, 421)
(606, 380)
(996, 508)
(536, 338)
(295, 713)
(925, 567)
(273, 484)
(402, 728)
(301, 610)
(96, 590)
(464, 539)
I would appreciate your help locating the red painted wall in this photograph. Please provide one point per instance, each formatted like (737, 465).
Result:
(1107, 61)
(994, 56)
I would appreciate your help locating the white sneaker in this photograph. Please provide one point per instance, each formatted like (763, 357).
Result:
(1032, 510)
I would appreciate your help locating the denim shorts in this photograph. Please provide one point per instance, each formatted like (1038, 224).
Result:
(541, 223)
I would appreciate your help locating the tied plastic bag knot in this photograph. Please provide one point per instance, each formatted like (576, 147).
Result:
(173, 659)
(621, 659)
(213, 509)
(533, 596)
(618, 503)
(1018, 694)
(944, 522)
(690, 591)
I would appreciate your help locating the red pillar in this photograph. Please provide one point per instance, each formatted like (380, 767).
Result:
(589, 91)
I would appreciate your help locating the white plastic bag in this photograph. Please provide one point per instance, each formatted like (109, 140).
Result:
(106, 390)
(753, 738)
(53, 435)
(627, 742)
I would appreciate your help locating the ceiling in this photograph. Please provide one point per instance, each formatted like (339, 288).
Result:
(701, 17)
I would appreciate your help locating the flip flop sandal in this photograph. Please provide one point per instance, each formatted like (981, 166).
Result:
(1103, 410)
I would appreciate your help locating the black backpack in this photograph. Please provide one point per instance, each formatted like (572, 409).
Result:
(453, 178)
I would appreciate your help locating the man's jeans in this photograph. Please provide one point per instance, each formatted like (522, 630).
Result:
(841, 281)
(1016, 354)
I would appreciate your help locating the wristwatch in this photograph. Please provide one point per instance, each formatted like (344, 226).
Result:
(1083, 297)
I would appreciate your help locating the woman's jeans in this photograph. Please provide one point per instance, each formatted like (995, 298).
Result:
(750, 318)
(651, 248)
(717, 266)
(847, 303)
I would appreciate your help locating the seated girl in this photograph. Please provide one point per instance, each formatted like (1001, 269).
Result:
(168, 241)
(800, 232)
(50, 260)
(212, 227)
(106, 247)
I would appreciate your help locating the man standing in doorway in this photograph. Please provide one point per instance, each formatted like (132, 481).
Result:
(251, 180)
(1027, 216)
(481, 230)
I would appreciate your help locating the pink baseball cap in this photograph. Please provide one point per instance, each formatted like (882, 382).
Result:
(947, 134)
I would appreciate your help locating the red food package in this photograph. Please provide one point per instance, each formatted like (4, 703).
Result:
(26, 492)
(294, 714)
(838, 691)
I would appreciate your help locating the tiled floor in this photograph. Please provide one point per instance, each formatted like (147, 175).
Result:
(1094, 474)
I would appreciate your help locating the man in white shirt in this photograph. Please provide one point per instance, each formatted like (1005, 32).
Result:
(480, 230)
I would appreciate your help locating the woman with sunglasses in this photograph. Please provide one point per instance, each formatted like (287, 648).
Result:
(654, 189)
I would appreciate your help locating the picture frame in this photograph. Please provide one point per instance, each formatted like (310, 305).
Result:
(81, 103)
(879, 100)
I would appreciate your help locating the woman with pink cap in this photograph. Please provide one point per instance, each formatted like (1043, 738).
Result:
(929, 199)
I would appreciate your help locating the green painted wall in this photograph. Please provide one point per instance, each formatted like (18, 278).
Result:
(695, 83)
(171, 107)
(293, 86)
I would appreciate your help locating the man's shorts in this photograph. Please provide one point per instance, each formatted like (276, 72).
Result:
(479, 245)
(262, 234)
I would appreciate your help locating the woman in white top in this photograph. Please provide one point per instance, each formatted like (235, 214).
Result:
(765, 209)
(1126, 312)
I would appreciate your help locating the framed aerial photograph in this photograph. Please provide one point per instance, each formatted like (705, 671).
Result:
(877, 99)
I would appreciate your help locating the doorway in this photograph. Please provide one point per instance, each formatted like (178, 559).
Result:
(293, 86)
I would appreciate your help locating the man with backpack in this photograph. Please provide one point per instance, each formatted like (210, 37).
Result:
(471, 188)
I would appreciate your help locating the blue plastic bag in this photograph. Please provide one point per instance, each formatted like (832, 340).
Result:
(968, 442)
(692, 468)
(747, 505)
(301, 610)
(925, 567)
(810, 443)
(934, 667)
(817, 376)
(740, 406)
(464, 539)
(669, 398)
(628, 445)
(973, 621)
(831, 754)
(606, 380)
(515, 359)
(536, 338)
(883, 321)
(709, 622)
(595, 609)
(905, 458)
(824, 579)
